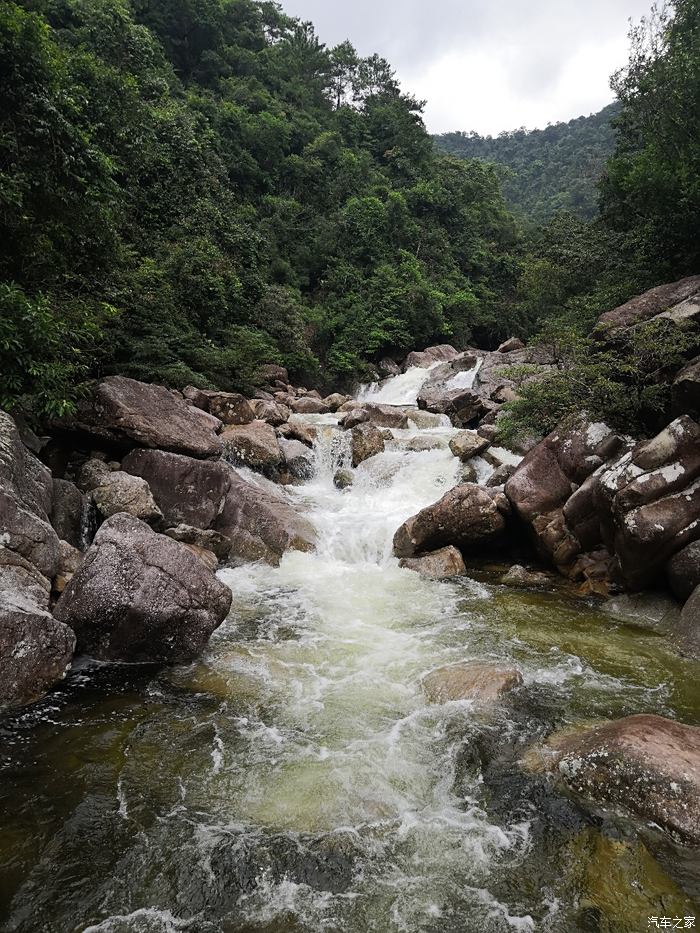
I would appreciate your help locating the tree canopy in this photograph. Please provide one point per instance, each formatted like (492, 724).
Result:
(189, 188)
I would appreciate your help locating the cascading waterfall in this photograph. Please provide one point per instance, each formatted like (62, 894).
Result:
(295, 780)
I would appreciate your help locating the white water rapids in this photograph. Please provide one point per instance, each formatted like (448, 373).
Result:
(295, 780)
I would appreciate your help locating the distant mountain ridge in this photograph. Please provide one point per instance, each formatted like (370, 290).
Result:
(551, 170)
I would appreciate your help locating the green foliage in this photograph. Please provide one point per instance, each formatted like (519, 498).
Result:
(545, 171)
(652, 187)
(236, 190)
(627, 385)
(44, 352)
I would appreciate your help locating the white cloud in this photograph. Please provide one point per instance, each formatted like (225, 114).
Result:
(489, 65)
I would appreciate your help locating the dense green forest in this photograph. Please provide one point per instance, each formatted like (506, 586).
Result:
(548, 171)
(190, 188)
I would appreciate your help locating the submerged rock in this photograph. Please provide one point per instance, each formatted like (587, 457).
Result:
(140, 596)
(519, 577)
(343, 478)
(481, 681)
(465, 516)
(439, 565)
(644, 764)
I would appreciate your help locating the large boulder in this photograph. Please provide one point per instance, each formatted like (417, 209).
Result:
(461, 405)
(686, 388)
(677, 300)
(298, 458)
(683, 570)
(19, 576)
(383, 416)
(212, 495)
(513, 343)
(35, 649)
(115, 491)
(273, 412)
(254, 445)
(26, 500)
(229, 407)
(431, 355)
(125, 412)
(466, 516)
(438, 565)
(308, 405)
(367, 441)
(480, 681)
(550, 494)
(271, 373)
(139, 596)
(467, 444)
(652, 494)
(644, 764)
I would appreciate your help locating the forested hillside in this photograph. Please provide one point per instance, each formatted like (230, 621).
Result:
(550, 170)
(188, 189)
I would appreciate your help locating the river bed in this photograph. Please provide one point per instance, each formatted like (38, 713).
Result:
(294, 779)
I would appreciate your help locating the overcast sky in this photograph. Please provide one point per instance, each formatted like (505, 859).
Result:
(488, 65)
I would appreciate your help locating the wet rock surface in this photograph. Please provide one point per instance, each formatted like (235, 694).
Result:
(438, 565)
(35, 649)
(26, 500)
(140, 596)
(480, 681)
(465, 516)
(645, 764)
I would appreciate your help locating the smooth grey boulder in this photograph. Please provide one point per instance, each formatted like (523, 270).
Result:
(139, 596)
(479, 681)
